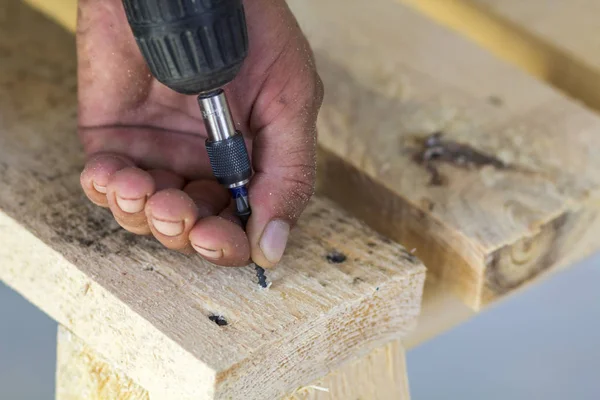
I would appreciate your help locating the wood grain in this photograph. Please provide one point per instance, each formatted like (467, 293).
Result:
(565, 31)
(379, 376)
(486, 229)
(146, 309)
(441, 311)
(81, 373)
(62, 11)
(554, 40)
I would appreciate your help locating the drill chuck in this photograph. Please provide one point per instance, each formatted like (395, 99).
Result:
(225, 146)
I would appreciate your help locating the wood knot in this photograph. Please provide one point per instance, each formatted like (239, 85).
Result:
(435, 150)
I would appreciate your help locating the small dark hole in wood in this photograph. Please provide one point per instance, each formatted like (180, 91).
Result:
(371, 244)
(218, 319)
(496, 101)
(335, 257)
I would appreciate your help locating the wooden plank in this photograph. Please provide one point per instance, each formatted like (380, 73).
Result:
(146, 309)
(441, 311)
(516, 190)
(554, 40)
(379, 376)
(62, 11)
(81, 373)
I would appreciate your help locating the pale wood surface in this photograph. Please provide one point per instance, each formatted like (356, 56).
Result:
(570, 26)
(379, 376)
(81, 373)
(62, 11)
(441, 311)
(551, 39)
(146, 309)
(398, 79)
(565, 33)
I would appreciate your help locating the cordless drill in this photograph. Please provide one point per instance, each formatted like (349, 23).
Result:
(195, 47)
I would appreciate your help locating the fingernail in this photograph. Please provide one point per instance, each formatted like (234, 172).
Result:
(208, 253)
(274, 240)
(168, 228)
(131, 206)
(101, 189)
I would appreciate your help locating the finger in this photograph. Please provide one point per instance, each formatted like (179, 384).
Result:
(171, 214)
(164, 179)
(284, 153)
(97, 173)
(220, 241)
(229, 213)
(182, 153)
(128, 191)
(210, 197)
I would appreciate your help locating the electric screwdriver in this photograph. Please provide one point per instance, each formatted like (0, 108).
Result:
(195, 47)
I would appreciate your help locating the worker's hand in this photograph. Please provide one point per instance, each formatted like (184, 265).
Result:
(145, 143)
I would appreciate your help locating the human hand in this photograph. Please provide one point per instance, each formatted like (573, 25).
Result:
(145, 143)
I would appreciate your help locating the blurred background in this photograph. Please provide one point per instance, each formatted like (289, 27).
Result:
(540, 344)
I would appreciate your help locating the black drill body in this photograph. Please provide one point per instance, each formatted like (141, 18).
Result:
(196, 47)
(191, 46)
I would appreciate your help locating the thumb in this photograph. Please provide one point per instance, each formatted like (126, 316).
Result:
(284, 160)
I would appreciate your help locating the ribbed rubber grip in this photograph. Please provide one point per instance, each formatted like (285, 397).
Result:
(229, 160)
(191, 46)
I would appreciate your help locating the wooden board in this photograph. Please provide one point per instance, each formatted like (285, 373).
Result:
(379, 376)
(514, 192)
(83, 373)
(147, 309)
(62, 11)
(567, 30)
(554, 40)
(441, 310)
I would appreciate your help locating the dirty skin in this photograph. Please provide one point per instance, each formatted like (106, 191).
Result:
(435, 150)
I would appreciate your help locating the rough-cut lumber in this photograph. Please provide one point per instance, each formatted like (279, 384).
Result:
(441, 310)
(511, 190)
(145, 308)
(81, 373)
(62, 11)
(379, 376)
(564, 33)
(553, 40)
